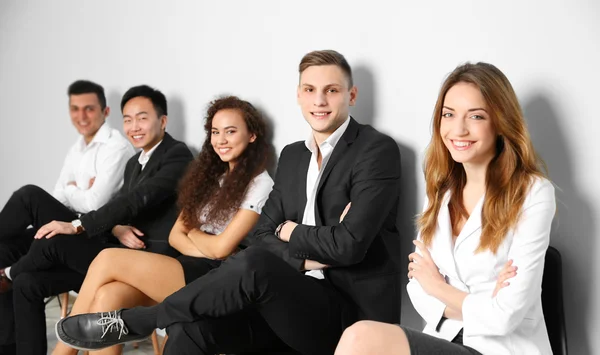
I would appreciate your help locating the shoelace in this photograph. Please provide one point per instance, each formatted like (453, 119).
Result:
(112, 322)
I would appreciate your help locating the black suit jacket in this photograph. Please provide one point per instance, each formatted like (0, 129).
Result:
(364, 169)
(147, 199)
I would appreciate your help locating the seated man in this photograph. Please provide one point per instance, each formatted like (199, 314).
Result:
(139, 217)
(260, 299)
(92, 172)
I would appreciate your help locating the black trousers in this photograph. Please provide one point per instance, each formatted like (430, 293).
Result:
(46, 268)
(30, 205)
(255, 302)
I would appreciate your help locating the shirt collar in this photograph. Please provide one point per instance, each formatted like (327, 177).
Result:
(101, 136)
(332, 140)
(145, 156)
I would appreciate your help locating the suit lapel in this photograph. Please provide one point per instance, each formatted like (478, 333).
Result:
(154, 158)
(303, 163)
(338, 152)
(473, 223)
(443, 240)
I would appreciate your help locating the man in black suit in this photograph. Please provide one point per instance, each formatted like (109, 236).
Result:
(140, 216)
(332, 212)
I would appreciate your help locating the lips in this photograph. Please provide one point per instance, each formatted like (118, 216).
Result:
(321, 115)
(461, 144)
(223, 150)
(137, 137)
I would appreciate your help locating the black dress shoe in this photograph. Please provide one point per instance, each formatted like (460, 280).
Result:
(5, 283)
(95, 331)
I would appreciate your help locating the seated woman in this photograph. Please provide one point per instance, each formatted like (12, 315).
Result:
(489, 205)
(221, 196)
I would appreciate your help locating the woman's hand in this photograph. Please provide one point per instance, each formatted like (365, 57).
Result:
(422, 268)
(508, 271)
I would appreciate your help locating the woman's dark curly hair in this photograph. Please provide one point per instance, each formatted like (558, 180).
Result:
(199, 187)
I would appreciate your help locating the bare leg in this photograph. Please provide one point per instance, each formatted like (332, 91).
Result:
(138, 269)
(116, 295)
(135, 268)
(373, 338)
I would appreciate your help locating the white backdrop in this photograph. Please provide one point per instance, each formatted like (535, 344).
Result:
(196, 50)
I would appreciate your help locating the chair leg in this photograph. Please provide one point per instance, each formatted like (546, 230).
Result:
(155, 346)
(162, 348)
(64, 307)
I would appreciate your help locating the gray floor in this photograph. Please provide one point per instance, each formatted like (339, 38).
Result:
(53, 315)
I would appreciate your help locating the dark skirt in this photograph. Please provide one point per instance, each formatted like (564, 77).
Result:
(194, 268)
(424, 344)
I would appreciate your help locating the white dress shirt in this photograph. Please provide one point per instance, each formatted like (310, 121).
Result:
(313, 176)
(104, 159)
(145, 156)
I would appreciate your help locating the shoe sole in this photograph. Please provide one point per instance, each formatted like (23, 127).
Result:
(93, 349)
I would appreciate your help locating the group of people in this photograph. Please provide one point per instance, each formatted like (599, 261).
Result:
(231, 262)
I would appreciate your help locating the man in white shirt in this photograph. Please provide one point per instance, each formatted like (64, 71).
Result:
(91, 174)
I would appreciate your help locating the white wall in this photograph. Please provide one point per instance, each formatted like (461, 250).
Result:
(195, 50)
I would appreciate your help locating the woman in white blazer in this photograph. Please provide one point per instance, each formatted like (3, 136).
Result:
(476, 273)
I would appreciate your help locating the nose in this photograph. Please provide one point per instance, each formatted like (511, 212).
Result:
(460, 127)
(221, 139)
(134, 125)
(320, 99)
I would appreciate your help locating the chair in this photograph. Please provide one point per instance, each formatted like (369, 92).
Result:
(64, 310)
(552, 302)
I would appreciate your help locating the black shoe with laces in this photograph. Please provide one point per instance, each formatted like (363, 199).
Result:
(95, 331)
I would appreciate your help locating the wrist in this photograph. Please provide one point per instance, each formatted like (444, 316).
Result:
(279, 228)
(77, 226)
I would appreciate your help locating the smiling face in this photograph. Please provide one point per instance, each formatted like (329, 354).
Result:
(86, 114)
(325, 99)
(143, 127)
(466, 126)
(230, 135)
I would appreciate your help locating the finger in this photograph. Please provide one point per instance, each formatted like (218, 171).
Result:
(137, 231)
(414, 257)
(51, 234)
(424, 252)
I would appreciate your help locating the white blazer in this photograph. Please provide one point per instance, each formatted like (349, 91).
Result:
(512, 322)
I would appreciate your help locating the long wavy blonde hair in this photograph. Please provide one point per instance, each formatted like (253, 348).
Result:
(509, 174)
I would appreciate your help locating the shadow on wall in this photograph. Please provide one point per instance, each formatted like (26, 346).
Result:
(365, 113)
(573, 230)
(115, 119)
(176, 122)
(273, 155)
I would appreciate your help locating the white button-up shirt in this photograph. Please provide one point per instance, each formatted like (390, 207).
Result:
(104, 159)
(145, 156)
(313, 176)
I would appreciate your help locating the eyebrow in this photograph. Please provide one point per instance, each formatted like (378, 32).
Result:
(469, 110)
(137, 114)
(326, 86)
(224, 128)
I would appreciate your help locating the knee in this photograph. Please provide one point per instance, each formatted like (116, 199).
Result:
(103, 260)
(28, 190)
(356, 338)
(104, 300)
